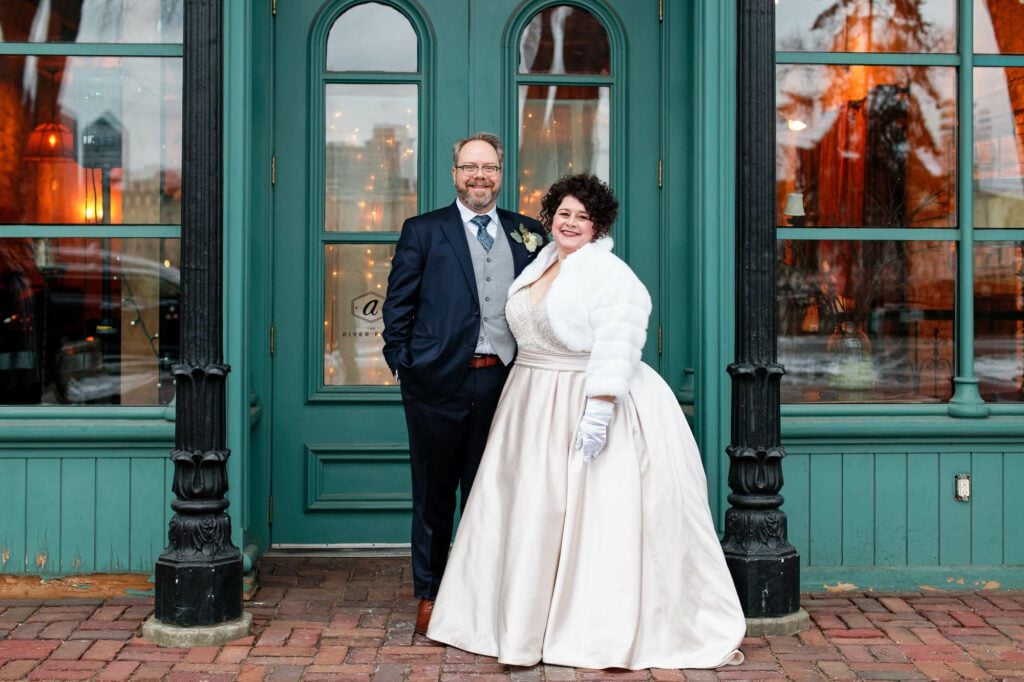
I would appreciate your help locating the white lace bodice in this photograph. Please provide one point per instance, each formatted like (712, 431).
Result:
(530, 324)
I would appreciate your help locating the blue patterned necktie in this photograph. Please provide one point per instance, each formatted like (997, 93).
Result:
(486, 240)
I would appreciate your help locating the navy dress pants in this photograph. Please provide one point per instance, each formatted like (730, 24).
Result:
(446, 441)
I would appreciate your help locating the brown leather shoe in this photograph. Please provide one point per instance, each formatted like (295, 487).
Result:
(423, 616)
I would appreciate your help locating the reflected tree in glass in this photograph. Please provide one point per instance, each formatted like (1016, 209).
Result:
(563, 128)
(866, 25)
(867, 146)
(998, 26)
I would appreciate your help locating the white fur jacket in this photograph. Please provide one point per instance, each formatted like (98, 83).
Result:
(597, 305)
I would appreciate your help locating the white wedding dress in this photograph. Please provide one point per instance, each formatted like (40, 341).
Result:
(610, 564)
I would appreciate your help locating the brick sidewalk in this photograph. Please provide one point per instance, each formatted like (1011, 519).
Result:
(351, 619)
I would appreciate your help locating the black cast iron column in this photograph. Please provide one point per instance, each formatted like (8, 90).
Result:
(199, 575)
(764, 566)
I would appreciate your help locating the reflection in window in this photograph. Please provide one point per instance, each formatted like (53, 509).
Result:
(90, 140)
(562, 129)
(565, 40)
(871, 146)
(866, 25)
(88, 321)
(999, 26)
(998, 147)
(92, 21)
(371, 160)
(999, 320)
(371, 37)
(355, 284)
(866, 321)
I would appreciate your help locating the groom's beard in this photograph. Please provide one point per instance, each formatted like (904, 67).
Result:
(477, 200)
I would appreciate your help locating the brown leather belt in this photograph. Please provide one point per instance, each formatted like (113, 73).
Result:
(478, 361)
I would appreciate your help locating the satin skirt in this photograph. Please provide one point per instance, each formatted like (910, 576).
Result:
(610, 564)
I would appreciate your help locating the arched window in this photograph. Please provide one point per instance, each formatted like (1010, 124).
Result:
(372, 87)
(565, 85)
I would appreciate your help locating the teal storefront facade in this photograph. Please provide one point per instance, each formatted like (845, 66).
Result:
(338, 120)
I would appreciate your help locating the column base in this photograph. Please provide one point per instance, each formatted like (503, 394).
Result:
(768, 585)
(163, 634)
(967, 402)
(781, 626)
(198, 591)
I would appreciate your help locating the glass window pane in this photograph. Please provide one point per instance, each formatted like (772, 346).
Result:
(92, 21)
(88, 321)
(866, 146)
(998, 147)
(90, 140)
(371, 37)
(999, 320)
(998, 26)
(355, 284)
(372, 153)
(562, 129)
(564, 39)
(865, 25)
(866, 322)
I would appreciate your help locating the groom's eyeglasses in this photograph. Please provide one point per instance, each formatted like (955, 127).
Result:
(472, 169)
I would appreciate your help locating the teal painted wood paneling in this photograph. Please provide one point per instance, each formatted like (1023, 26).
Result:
(12, 520)
(897, 509)
(987, 508)
(922, 496)
(890, 532)
(147, 519)
(797, 482)
(77, 516)
(858, 510)
(80, 514)
(954, 517)
(113, 513)
(1013, 484)
(42, 515)
(826, 514)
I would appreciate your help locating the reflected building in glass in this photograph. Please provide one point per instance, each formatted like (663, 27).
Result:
(371, 186)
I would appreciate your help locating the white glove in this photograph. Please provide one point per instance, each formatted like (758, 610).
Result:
(592, 433)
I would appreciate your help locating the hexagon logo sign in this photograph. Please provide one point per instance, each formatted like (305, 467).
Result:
(368, 307)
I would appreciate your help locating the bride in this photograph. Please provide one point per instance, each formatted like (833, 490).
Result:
(587, 540)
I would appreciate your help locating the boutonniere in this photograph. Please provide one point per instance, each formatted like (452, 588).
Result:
(531, 240)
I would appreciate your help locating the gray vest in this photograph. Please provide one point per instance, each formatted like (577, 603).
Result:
(494, 274)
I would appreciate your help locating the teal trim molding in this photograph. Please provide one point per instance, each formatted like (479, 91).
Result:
(928, 579)
(121, 231)
(901, 429)
(93, 49)
(869, 58)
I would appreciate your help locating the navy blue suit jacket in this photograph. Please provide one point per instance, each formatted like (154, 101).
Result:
(432, 310)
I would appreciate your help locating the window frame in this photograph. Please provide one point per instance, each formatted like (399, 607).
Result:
(28, 414)
(614, 81)
(965, 401)
(317, 237)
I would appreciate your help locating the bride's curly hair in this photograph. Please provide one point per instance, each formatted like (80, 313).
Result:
(595, 195)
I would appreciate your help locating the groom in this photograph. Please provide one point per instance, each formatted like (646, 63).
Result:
(447, 342)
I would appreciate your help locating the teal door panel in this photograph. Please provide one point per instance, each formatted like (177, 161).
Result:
(364, 144)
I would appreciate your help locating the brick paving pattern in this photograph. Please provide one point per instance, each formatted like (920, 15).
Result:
(352, 619)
